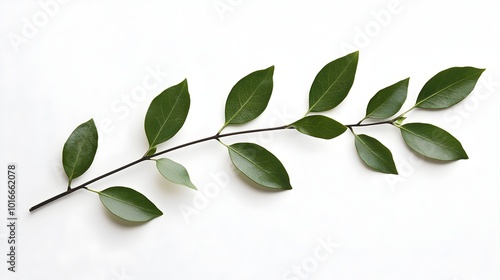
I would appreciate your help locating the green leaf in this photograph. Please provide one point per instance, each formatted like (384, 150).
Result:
(319, 126)
(260, 165)
(387, 102)
(174, 172)
(167, 113)
(79, 150)
(129, 204)
(375, 154)
(249, 97)
(432, 141)
(332, 83)
(448, 87)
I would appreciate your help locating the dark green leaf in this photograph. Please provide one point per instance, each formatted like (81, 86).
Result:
(174, 172)
(375, 154)
(129, 204)
(448, 87)
(319, 126)
(260, 165)
(167, 113)
(332, 83)
(249, 97)
(79, 150)
(432, 141)
(387, 101)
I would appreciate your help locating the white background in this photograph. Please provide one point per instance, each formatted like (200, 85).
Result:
(63, 64)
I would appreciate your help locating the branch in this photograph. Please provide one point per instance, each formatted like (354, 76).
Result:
(144, 158)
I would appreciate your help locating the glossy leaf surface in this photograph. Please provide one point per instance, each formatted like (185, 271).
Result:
(129, 204)
(174, 172)
(388, 101)
(260, 165)
(333, 82)
(448, 87)
(80, 149)
(319, 126)
(432, 141)
(249, 97)
(167, 113)
(375, 154)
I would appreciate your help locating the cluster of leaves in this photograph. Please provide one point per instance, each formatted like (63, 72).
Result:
(249, 97)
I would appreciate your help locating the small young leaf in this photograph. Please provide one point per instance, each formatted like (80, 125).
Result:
(332, 83)
(399, 120)
(151, 151)
(129, 204)
(448, 87)
(167, 113)
(260, 165)
(79, 150)
(319, 126)
(387, 101)
(432, 141)
(249, 97)
(375, 154)
(174, 172)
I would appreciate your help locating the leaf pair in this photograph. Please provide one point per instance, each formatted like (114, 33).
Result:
(78, 154)
(384, 104)
(246, 101)
(165, 117)
(133, 206)
(443, 90)
(425, 139)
